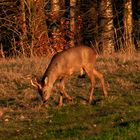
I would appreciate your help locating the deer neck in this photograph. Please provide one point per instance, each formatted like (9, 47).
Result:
(52, 77)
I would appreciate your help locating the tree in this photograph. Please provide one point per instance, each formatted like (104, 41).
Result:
(128, 40)
(28, 27)
(55, 7)
(37, 32)
(55, 29)
(23, 33)
(106, 26)
(9, 29)
(88, 12)
(136, 23)
(72, 21)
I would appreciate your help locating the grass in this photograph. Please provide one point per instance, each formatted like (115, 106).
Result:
(116, 117)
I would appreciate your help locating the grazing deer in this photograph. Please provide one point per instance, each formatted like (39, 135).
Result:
(63, 65)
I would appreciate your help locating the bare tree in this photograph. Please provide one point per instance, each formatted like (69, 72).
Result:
(128, 40)
(72, 21)
(23, 33)
(106, 26)
(9, 21)
(37, 26)
(55, 31)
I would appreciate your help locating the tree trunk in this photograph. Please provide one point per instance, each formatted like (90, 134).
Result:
(55, 7)
(106, 27)
(56, 33)
(128, 40)
(72, 21)
(38, 27)
(23, 35)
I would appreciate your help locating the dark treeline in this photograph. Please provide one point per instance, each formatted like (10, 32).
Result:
(37, 27)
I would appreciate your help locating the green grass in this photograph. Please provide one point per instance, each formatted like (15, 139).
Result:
(116, 117)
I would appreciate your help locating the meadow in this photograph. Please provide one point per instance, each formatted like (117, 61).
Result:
(117, 117)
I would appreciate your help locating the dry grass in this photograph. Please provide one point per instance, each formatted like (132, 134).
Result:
(20, 105)
(16, 73)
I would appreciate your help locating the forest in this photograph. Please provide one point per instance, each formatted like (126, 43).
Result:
(32, 32)
(39, 27)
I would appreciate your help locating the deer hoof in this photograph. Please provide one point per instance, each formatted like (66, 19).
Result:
(89, 101)
(106, 94)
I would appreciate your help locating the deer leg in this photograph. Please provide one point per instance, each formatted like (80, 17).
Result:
(91, 76)
(62, 89)
(101, 77)
(92, 89)
(60, 100)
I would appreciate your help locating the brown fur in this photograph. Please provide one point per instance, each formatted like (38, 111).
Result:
(63, 65)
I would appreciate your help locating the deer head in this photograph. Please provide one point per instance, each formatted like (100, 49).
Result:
(41, 87)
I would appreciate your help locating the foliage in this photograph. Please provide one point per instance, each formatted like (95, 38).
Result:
(32, 27)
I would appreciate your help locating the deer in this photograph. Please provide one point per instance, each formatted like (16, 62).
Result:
(62, 66)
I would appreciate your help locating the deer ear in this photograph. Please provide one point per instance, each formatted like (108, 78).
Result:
(46, 80)
(35, 83)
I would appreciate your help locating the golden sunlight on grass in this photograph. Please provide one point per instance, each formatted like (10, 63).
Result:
(23, 115)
